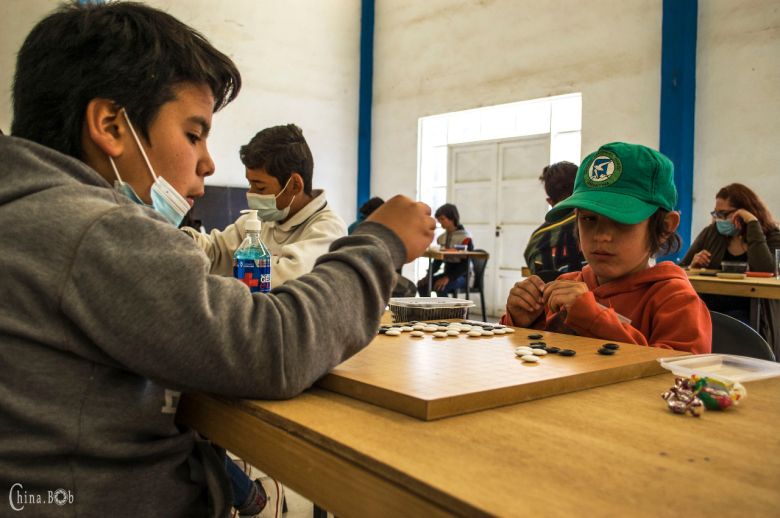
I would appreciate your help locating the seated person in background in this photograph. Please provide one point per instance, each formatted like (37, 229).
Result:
(742, 229)
(365, 211)
(624, 197)
(553, 247)
(456, 270)
(298, 226)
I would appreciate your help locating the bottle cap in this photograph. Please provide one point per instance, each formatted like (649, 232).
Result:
(253, 223)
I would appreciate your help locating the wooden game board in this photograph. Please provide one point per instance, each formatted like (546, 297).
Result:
(431, 378)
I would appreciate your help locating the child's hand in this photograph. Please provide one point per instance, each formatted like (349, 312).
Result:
(525, 302)
(562, 294)
(441, 283)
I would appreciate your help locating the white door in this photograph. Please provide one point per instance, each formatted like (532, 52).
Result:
(501, 201)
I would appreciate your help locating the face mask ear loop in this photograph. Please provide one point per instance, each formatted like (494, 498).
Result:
(138, 142)
(284, 188)
(116, 171)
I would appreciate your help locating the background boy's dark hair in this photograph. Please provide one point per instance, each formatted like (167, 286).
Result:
(558, 179)
(449, 211)
(370, 206)
(126, 52)
(281, 151)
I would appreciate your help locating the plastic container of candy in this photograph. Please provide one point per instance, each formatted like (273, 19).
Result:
(726, 367)
(405, 309)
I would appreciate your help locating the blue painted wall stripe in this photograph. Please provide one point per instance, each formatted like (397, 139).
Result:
(366, 101)
(678, 103)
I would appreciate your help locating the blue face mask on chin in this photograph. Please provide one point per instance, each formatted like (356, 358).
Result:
(166, 201)
(726, 227)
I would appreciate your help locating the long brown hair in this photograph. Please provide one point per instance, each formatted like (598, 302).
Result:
(742, 197)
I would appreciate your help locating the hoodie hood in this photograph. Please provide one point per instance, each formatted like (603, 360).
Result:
(639, 281)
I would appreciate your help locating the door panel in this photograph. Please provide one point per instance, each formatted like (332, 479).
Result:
(501, 201)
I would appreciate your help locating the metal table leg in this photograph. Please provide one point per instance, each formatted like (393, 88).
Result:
(430, 276)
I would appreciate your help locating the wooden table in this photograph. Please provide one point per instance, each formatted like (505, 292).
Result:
(755, 288)
(440, 255)
(610, 451)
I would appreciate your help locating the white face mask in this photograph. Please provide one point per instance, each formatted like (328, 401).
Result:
(265, 205)
(165, 199)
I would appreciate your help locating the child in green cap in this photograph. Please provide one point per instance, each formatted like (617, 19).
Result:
(624, 198)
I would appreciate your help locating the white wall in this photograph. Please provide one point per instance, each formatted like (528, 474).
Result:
(299, 62)
(737, 102)
(445, 55)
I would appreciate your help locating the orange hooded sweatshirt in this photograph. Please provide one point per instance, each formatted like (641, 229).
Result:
(659, 304)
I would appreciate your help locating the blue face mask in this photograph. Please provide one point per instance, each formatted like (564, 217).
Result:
(726, 227)
(165, 199)
(265, 205)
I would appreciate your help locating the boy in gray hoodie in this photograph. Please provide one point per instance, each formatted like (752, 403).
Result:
(107, 311)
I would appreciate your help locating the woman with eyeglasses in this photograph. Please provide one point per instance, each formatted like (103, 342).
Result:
(742, 229)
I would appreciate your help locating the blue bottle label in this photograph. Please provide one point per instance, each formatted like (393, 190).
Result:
(255, 273)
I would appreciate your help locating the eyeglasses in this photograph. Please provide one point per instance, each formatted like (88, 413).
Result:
(722, 214)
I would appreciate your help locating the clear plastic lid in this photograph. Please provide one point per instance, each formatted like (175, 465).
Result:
(727, 367)
(430, 302)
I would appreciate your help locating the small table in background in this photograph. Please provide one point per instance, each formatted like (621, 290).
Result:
(440, 255)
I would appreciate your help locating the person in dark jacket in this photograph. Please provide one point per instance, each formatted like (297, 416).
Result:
(553, 247)
(742, 229)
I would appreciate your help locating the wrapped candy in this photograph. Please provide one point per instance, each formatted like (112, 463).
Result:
(694, 394)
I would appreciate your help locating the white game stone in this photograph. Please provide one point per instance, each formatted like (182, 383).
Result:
(529, 358)
(393, 332)
(474, 332)
(417, 333)
(440, 334)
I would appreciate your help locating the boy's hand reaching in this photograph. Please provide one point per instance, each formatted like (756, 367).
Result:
(525, 301)
(411, 221)
(562, 294)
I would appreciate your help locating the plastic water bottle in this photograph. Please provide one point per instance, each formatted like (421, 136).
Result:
(252, 260)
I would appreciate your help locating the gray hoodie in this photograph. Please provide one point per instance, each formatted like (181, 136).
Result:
(107, 312)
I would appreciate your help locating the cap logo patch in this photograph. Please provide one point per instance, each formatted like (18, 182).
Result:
(604, 170)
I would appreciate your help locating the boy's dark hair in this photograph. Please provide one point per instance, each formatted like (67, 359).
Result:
(659, 240)
(281, 151)
(370, 206)
(126, 52)
(449, 211)
(558, 179)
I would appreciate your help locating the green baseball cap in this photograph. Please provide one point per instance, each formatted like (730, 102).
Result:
(624, 182)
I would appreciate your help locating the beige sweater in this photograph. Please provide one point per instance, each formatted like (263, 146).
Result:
(294, 245)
